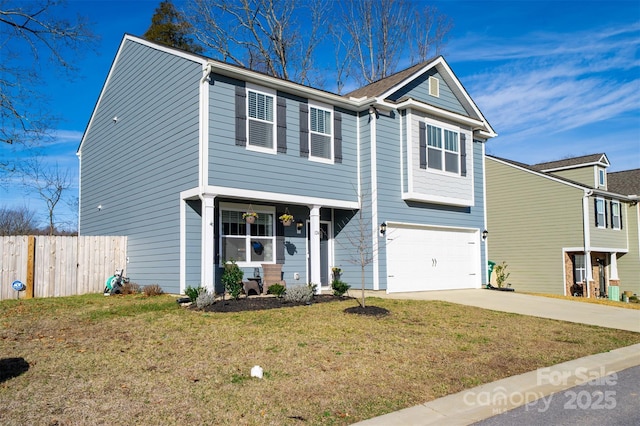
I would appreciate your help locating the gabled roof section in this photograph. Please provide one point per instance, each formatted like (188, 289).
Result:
(599, 159)
(382, 90)
(626, 182)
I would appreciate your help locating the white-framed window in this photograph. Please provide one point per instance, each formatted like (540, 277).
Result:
(579, 268)
(443, 156)
(616, 217)
(320, 133)
(249, 245)
(601, 214)
(261, 119)
(601, 178)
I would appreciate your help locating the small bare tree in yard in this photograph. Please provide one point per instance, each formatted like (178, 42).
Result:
(49, 182)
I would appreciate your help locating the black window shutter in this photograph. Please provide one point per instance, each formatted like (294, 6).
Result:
(282, 125)
(241, 116)
(606, 215)
(463, 154)
(337, 137)
(595, 210)
(423, 145)
(620, 209)
(304, 130)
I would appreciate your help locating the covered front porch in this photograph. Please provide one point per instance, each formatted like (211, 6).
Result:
(214, 229)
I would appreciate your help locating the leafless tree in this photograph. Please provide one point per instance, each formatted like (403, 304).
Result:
(277, 37)
(17, 221)
(382, 31)
(32, 32)
(49, 182)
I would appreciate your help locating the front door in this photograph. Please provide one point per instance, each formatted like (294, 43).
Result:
(325, 240)
(601, 278)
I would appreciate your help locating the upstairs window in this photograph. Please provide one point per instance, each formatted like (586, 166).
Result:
(261, 120)
(601, 178)
(441, 157)
(320, 134)
(616, 217)
(600, 213)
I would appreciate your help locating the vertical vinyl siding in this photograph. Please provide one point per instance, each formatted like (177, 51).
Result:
(136, 168)
(237, 167)
(530, 220)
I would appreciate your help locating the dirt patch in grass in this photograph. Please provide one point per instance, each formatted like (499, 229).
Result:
(260, 303)
(134, 360)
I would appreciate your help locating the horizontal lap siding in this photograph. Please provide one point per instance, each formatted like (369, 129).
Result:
(419, 90)
(237, 167)
(530, 220)
(137, 167)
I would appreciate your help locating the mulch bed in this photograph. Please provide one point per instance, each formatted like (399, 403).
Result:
(259, 303)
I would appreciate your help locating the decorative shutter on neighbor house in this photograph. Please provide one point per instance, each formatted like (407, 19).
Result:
(337, 137)
(620, 209)
(282, 125)
(595, 211)
(304, 130)
(606, 214)
(423, 145)
(241, 116)
(463, 154)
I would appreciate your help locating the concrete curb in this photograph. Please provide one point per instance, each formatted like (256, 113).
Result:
(488, 400)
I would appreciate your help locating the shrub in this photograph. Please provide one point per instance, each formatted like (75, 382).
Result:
(232, 279)
(277, 289)
(152, 290)
(130, 288)
(298, 294)
(205, 299)
(501, 274)
(192, 292)
(339, 287)
(634, 299)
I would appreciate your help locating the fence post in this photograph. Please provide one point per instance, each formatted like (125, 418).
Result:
(31, 265)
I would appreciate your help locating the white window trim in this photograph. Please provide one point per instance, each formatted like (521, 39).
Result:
(443, 126)
(601, 224)
(244, 208)
(602, 183)
(322, 107)
(613, 225)
(268, 92)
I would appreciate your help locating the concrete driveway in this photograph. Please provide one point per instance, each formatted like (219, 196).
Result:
(525, 304)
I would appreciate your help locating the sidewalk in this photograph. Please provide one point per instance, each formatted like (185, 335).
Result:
(482, 402)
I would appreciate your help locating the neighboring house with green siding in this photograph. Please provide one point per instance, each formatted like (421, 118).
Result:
(564, 227)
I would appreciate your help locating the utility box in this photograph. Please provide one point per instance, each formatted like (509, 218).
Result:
(614, 293)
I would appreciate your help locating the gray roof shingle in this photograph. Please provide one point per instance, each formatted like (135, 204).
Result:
(626, 182)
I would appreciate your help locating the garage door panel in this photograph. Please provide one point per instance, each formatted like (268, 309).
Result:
(420, 259)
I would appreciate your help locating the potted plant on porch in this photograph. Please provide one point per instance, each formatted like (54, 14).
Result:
(286, 219)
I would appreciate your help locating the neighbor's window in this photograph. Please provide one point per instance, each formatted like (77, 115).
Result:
(601, 177)
(261, 120)
(245, 243)
(441, 157)
(579, 268)
(600, 213)
(616, 219)
(320, 133)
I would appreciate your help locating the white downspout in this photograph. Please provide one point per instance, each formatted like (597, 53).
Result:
(374, 201)
(587, 238)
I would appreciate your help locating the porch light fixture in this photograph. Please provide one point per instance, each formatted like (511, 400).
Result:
(383, 228)
(485, 233)
(299, 226)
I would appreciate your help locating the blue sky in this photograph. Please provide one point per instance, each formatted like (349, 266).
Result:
(554, 78)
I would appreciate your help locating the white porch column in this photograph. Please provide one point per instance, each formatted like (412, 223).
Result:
(314, 244)
(587, 240)
(208, 249)
(613, 273)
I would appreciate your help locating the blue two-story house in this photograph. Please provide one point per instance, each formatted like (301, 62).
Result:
(388, 179)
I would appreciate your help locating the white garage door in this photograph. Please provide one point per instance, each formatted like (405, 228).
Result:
(420, 259)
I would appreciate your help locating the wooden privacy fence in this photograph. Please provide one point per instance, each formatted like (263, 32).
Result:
(53, 266)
